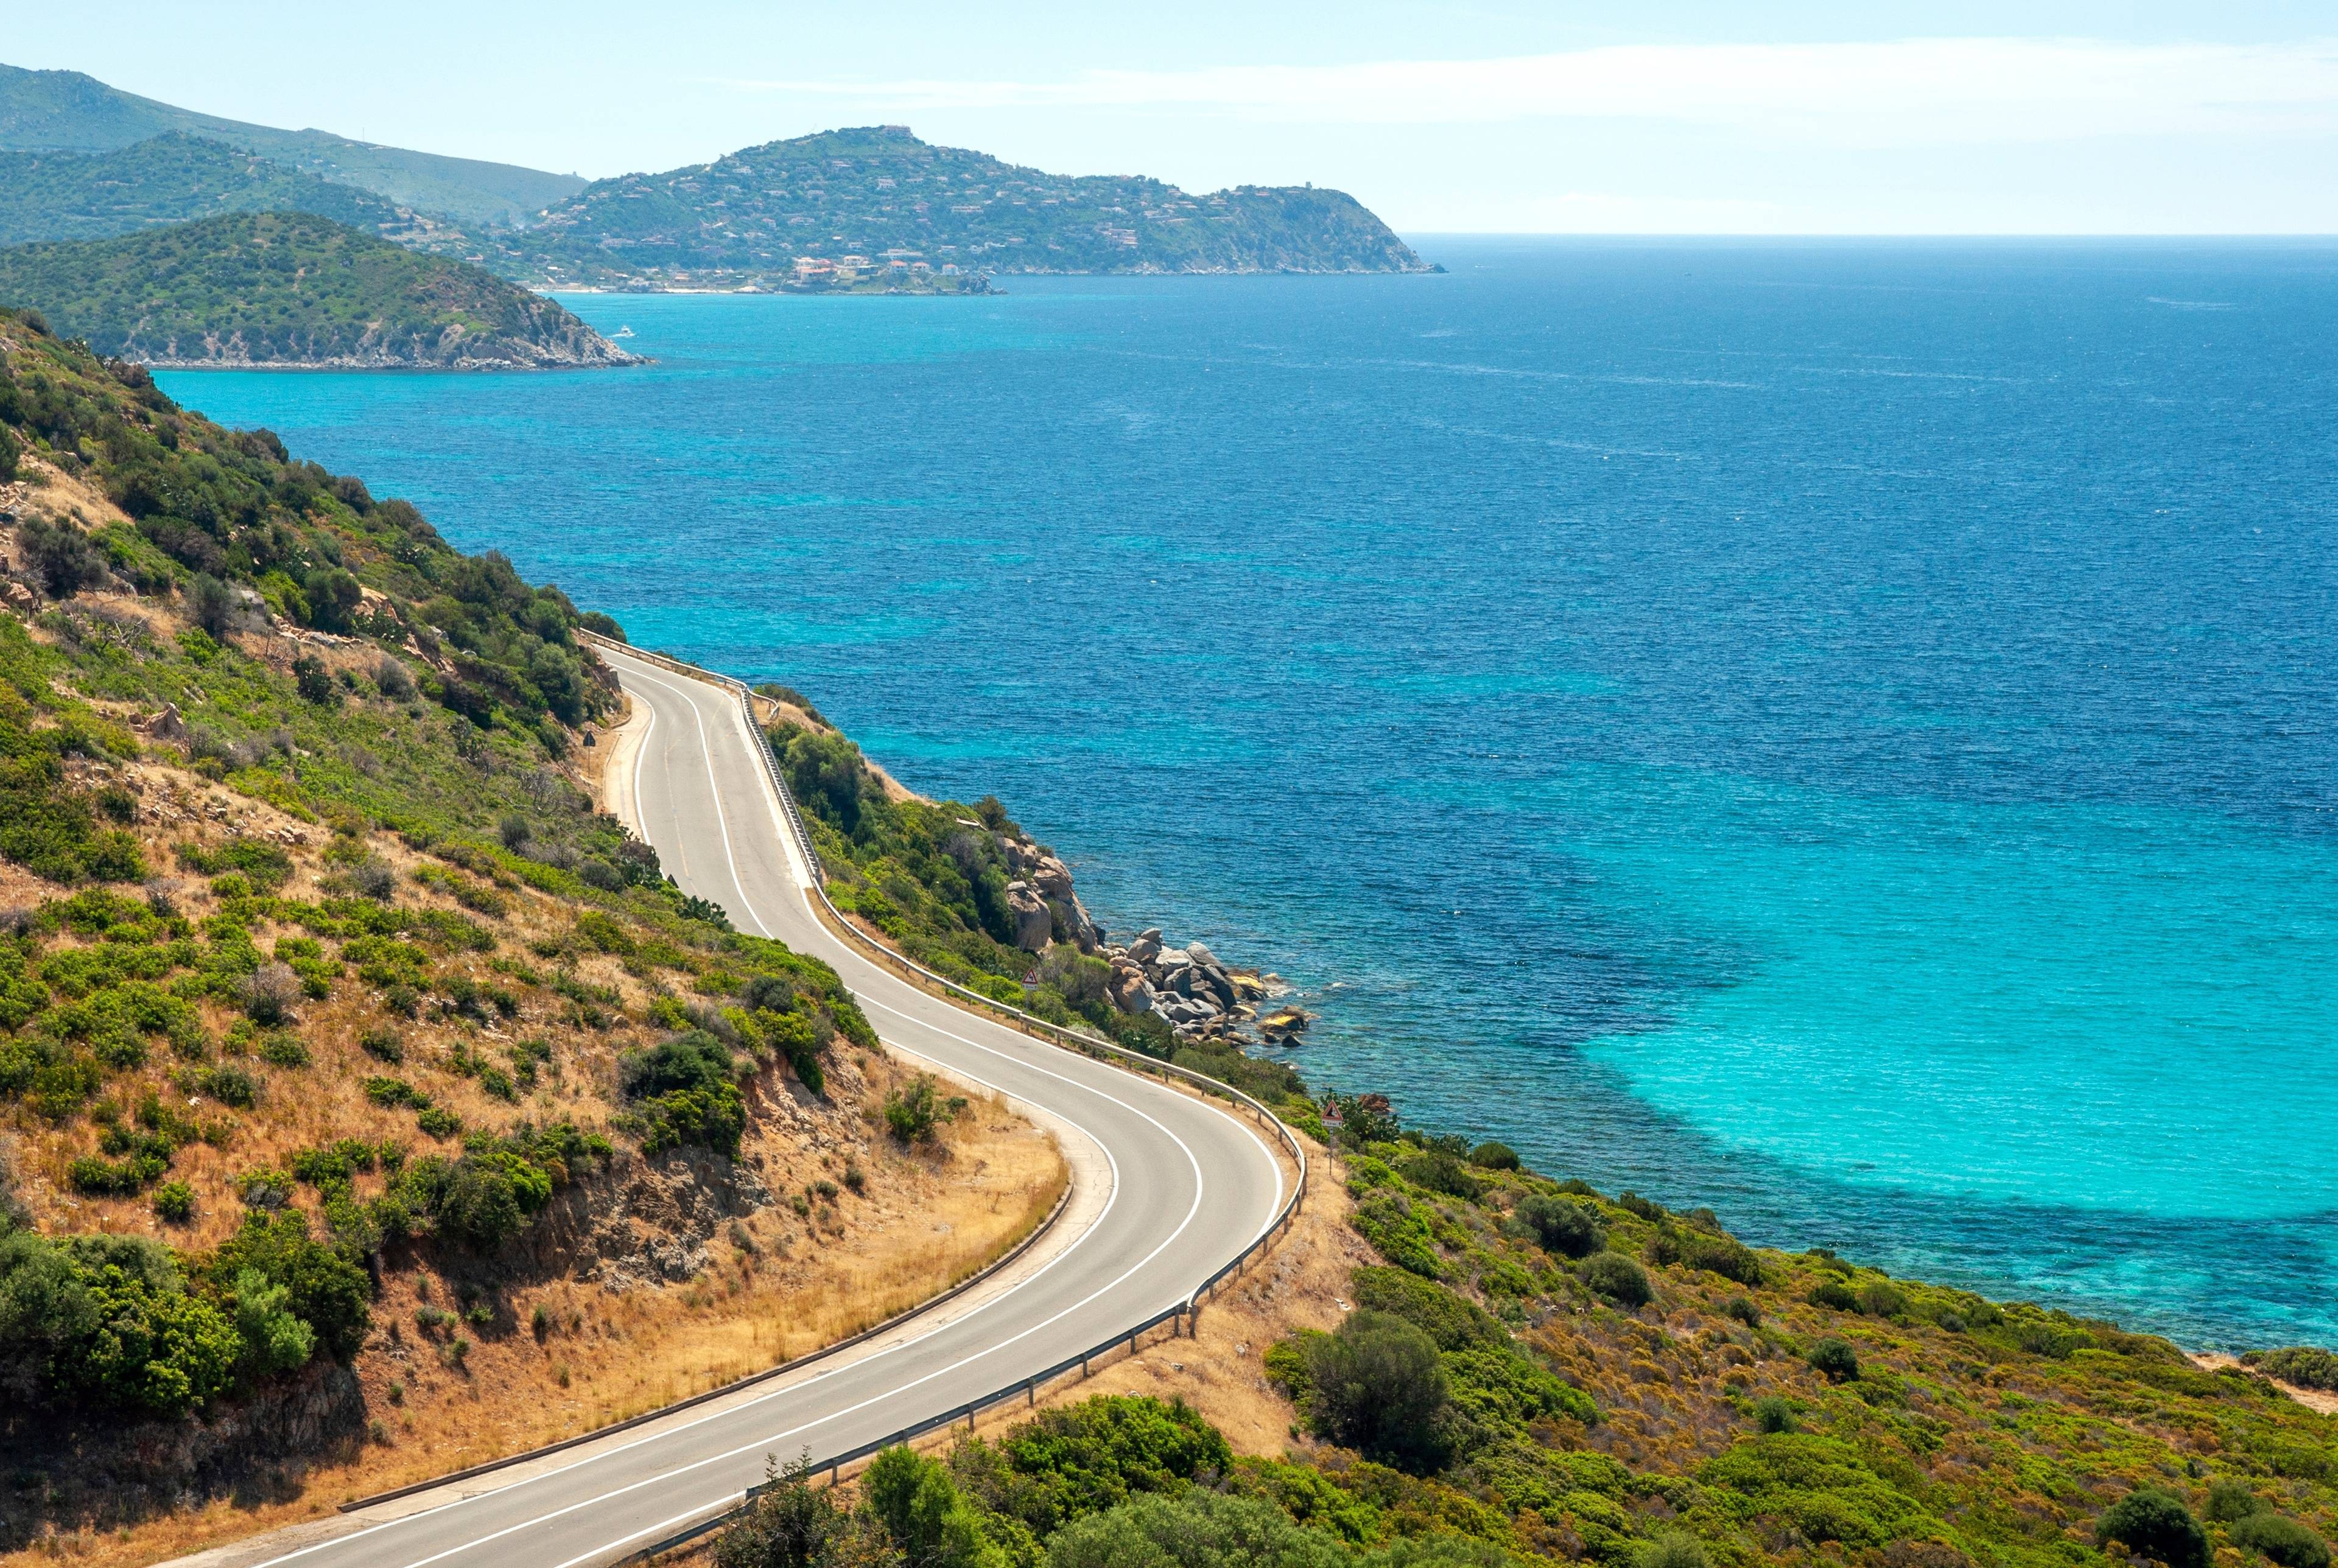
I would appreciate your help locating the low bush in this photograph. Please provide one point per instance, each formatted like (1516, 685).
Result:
(1379, 1386)
(911, 1115)
(1618, 1279)
(2280, 1539)
(1834, 1358)
(2300, 1363)
(681, 1093)
(174, 1202)
(1561, 1225)
(2152, 1522)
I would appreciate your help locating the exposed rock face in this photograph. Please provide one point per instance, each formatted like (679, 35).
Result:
(644, 1221)
(117, 1472)
(1035, 924)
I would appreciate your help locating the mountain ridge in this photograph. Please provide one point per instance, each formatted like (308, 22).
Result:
(68, 110)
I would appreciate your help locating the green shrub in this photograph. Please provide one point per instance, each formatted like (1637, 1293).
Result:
(1561, 1225)
(1671, 1549)
(1882, 1299)
(1195, 1530)
(1379, 1386)
(313, 680)
(1090, 1456)
(2300, 1363)
(1618, 1279)
(104, 1323)
(791, 1524)
(1774, 1413)
(2154, 1522)
(2229, 1500)
(1833, 1295)
(919, 1506)
(1833, 1357)
(1744, 1311)
(683, 1093)
(1493, 1157)
(2280, 1539)
(1440, 1170)
(230, 1086)
(912, 1113)
(1723, 1255)
(61, 556)
(174, 1202)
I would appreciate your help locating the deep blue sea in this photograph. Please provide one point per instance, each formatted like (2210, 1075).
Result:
(1842, 733)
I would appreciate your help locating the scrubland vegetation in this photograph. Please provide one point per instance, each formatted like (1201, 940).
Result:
(336, 1023)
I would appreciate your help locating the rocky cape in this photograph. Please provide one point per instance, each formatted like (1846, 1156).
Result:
(289, 289)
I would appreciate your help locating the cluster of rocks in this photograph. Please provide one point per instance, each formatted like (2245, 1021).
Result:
(1198, 996)
(1187, 987)
(1041, 898)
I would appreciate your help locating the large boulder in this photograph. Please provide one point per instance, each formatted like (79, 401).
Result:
(1209, 977)
(1034, 925)
(1130, 992)
(1072, 918)
(1146, 948)
(1052, 878)
(1202, 956)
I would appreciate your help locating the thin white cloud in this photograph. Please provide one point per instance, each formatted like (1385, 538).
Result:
(1914, 91)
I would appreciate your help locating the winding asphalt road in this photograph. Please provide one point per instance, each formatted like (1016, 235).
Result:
(1190, 1187)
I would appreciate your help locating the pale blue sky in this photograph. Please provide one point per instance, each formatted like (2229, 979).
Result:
(1487, 115)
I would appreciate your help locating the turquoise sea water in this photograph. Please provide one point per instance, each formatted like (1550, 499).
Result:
(1840, 733)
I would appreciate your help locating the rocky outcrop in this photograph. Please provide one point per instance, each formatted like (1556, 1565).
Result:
(1189, 988)
(1049, 879)
(1035, 923)
(99, 1472)
(1197, 995)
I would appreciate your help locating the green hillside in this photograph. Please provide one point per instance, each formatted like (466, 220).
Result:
(66, 111)
(290, 287)
(864, 192)
(167, 179)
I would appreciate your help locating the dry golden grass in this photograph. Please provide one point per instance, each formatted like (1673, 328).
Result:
(925, 1221)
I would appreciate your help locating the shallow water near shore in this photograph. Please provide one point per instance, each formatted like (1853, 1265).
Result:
(1840, 733)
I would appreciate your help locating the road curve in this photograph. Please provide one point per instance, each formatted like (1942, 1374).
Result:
(1191, 1186)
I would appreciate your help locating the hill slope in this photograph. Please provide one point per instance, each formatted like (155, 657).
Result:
(370, 1103)
(67, 111)
(290, 289)
(168, 178)
(866, 192)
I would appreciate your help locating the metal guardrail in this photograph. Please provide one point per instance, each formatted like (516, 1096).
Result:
(1086, 1046)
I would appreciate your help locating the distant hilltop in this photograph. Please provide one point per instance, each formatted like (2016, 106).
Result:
(792, 211)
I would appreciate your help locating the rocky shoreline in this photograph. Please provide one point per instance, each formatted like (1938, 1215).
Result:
(1189, 988)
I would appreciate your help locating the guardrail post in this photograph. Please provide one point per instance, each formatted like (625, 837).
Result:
(1031, 1394)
